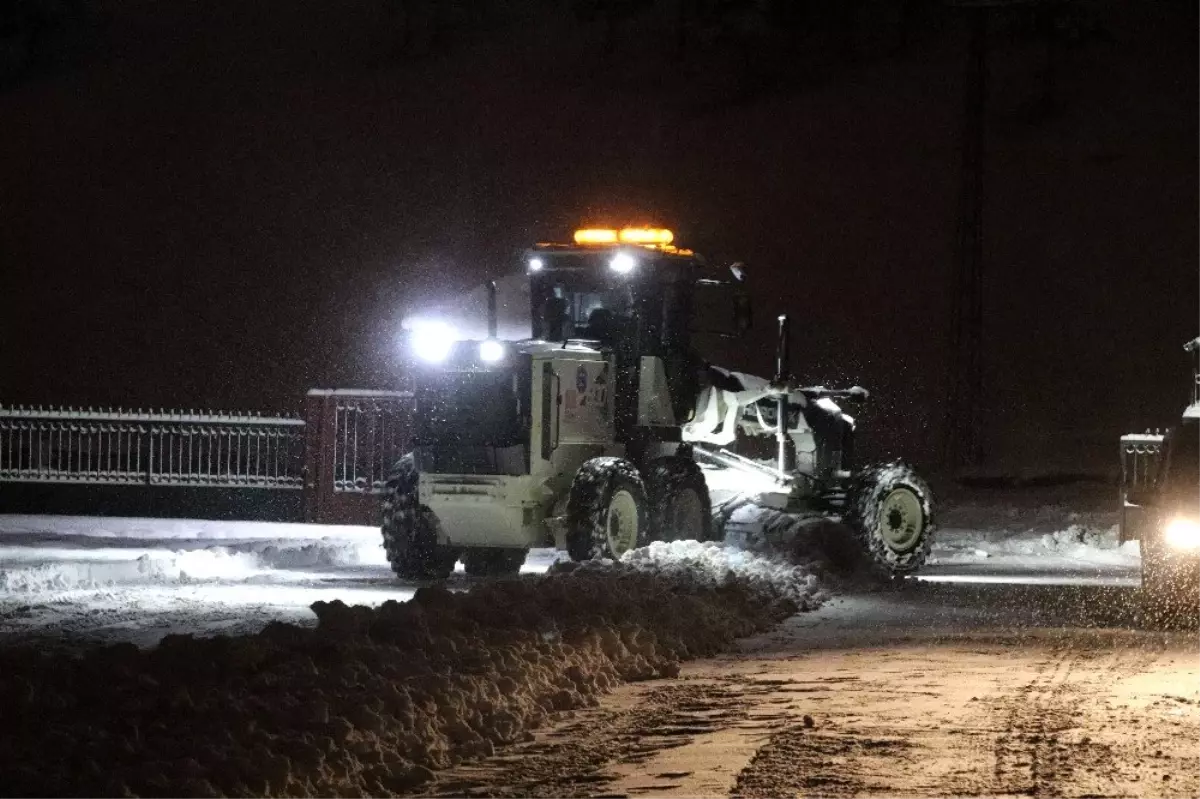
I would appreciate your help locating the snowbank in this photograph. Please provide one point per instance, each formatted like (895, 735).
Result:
(150, 529)
(719, 566)
(1053, 526)
(1077, 543)
(373, 699)
(47, 567)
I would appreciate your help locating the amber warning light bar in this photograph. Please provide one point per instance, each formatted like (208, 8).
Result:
(643, 236)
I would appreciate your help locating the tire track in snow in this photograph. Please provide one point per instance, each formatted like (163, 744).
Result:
(1039, 750)
(580, 758)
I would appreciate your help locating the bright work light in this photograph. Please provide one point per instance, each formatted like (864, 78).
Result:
(622, 263)
(1183, 533)
(491, 351)
(432, 341)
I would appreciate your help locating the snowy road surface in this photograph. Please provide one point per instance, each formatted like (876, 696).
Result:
(139, 579)
(1017, 665)
(809, 710)
(115, 579)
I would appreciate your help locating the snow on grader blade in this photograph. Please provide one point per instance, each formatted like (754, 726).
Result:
(584, 428)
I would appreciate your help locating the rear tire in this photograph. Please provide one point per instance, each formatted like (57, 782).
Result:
(606, 510)
(493, 561)
(410, 529)
(680, 508)
(890, 510)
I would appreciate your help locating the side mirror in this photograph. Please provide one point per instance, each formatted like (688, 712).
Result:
(743, 315)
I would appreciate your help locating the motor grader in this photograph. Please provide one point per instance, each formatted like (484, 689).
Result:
(584, 432)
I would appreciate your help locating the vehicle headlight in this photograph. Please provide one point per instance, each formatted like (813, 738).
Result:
(491, 351)
(622, 263)
(1182, 533)
(432, 341)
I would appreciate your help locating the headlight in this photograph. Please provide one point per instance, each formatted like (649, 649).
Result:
(491, 351)
(622, 263)
(536, 264)
(1183, 533)
(432, 341)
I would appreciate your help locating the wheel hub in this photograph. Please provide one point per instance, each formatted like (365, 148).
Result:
(622, 524)
(901, 519)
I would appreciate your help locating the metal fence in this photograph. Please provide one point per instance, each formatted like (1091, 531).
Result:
(371, 431)
(1140, 454)
(164, 448)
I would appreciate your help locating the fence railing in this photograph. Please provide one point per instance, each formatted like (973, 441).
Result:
(164, 448)
(339, 454)
(371, 431)
(1140, 455)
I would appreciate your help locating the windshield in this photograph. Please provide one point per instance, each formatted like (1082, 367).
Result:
(574, 305)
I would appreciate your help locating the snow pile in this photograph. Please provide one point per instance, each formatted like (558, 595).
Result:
(717, 566)
(151, 529)
(1080, 544)
(1081, 537)
(1058, 527)
(44, 568)
(151, 567)
(372, 699)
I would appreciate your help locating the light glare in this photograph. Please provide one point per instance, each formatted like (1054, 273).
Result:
(491, 351)
(622, 263)
(1183, 534)
(642, 236)
(595, 236)
(536, 264)
(432, 341)
(646, 235)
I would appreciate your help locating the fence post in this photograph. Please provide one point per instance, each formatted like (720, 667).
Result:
(319, 421)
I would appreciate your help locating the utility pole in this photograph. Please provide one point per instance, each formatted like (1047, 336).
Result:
(964, 420)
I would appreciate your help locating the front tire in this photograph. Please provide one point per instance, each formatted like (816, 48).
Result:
(606, 510)
(680, 508)
(410, 529)
(890, 510)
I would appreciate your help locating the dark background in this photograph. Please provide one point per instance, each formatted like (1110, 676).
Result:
(225, 203)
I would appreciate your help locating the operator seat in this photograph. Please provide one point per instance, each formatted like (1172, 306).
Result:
(601, 325)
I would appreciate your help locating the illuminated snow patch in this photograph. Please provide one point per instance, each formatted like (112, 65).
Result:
(720, 565)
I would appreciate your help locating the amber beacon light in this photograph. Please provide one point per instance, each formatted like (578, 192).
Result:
(644, 236)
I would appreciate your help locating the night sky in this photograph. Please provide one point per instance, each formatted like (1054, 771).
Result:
(222, 204)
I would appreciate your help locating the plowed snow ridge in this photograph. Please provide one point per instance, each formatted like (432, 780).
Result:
(372, 699)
